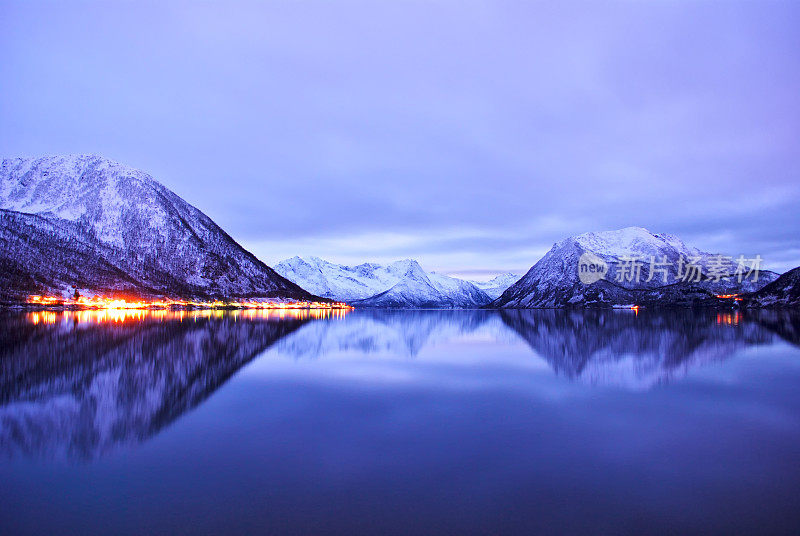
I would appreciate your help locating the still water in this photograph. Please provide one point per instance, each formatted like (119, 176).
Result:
(415, 422)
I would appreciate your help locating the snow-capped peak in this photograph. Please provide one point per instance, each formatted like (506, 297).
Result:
(554, 280)
(401, 283)
(630, 241)
(114, 219)
(496, 286)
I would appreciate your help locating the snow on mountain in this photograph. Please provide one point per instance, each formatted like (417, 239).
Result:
(554, 280)
(495, 287)
(782, 292)
(336, 281)
(88, 222)
(401, 284)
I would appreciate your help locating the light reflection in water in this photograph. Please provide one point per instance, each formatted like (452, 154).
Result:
(117, 316)
(456, 409)
(728, 318)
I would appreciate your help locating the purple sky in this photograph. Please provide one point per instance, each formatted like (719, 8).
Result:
(470, 136)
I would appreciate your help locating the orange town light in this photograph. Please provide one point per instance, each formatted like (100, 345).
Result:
(104, 302)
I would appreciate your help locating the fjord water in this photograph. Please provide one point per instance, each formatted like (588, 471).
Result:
(400, 422)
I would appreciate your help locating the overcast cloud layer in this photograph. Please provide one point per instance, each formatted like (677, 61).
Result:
(470, 136)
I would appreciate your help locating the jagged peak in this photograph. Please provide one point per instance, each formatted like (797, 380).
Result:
(371, 280)
(625, 241)
(69, 163)
(502, 278)
(293, 261)
(405, 262)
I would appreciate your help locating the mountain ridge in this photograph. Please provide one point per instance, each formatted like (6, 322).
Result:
(155, 243)
(555, 280)
(400, 284)
(782, 292)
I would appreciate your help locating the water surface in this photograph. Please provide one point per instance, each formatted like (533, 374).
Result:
(400, 422)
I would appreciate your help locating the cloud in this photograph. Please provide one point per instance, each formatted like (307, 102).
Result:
(467, 135)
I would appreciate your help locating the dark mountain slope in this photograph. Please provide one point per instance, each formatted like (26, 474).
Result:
(783, 292)
(94, 224)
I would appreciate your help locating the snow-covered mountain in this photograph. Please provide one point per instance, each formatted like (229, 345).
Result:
(91, 223)
(554, 281)
(782, 292)
(495, 287)
(401, 284)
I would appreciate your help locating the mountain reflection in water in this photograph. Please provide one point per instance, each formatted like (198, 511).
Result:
(78, 384)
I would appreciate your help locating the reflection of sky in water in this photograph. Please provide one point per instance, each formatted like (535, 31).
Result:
(402, 421)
